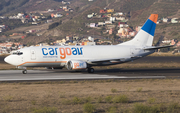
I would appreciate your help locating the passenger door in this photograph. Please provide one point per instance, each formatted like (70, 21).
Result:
(33, 55)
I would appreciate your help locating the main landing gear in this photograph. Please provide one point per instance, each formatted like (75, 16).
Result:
(24, 71)
(90, 70)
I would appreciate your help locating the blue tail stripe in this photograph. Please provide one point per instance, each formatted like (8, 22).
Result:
(149, 27)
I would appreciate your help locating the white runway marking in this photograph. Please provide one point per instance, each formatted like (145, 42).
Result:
(33, 75)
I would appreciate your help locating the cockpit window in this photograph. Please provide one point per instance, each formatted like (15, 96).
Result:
(17, 53)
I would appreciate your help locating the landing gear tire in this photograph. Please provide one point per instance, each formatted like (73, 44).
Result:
(24, 71)
(90, 70)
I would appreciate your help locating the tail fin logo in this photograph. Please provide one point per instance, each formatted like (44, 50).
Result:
(150, 24)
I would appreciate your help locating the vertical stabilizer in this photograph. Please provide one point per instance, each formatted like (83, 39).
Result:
(146, 35)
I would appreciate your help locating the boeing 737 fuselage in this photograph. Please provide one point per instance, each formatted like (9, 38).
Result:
(84, 57)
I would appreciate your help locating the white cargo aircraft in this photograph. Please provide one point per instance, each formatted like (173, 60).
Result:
(84, 57)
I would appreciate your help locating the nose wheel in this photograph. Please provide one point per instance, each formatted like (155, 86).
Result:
(24, 71)
(90, 70)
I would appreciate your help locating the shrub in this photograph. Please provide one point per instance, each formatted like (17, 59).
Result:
(108, 99)
(140, 108)
(66, 102)
(100, 100)
(45, 110)
(77, 100)
(173, 108)
(120, 99)
(112, 110)
(113, 90)
(151, 100)
(88, 108)
(139, 89)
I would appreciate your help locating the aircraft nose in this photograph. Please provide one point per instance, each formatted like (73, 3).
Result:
(9, 60)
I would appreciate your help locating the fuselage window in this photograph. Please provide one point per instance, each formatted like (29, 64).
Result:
(17, 53)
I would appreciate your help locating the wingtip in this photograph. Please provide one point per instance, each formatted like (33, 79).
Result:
(154, 17)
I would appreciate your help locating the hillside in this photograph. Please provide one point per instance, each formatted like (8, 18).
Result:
(74, 23)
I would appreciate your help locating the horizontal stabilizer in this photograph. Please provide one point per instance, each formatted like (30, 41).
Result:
(157, 47)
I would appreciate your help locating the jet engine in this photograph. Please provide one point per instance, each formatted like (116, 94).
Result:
(76, 65)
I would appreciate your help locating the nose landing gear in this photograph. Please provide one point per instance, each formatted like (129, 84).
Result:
(24, 69)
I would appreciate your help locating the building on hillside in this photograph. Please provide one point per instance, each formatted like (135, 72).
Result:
(166, 41)
(49, 21)
(119, 14)
(101, 23)
(174, 20)
(112, 19)
(90, 15)
(103, 11)
(52, 15)
(132, 33)
(111, 31)
(166, 20)
(122, 24)
(173, 42)
(58, 15)
(108, 22)
(110, 10)
(90, 38)
(69, 38)
(92, 24)
(120, 18)
(178, 44)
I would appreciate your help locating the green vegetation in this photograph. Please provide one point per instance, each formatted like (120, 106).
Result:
(113, 90)
(139, 89)
(53, 25)
(89, 108)
(77, 100)
(45, 110)
(112, 110)
(140, 108)
(159, 108)
(120, 99)
(108, 99)
(100, 99)
(151, 100)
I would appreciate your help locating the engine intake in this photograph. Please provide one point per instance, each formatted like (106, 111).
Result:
(76, 65)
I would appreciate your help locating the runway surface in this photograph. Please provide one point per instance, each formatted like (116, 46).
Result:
(38, 75)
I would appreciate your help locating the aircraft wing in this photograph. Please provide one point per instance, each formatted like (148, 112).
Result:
(157, 47)
(106, 60)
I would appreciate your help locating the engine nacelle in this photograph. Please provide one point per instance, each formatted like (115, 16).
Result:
(76, 65)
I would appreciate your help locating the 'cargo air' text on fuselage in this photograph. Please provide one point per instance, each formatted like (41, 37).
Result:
(64, 51)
